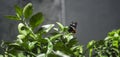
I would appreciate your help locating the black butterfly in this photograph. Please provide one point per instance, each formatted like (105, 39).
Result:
(72, 27)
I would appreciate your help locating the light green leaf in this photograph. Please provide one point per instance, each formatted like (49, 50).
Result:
(21, 54)
(68, 36)
(36, 20)
(90, 47)
(49, 47)
(90, 52)
(48, 27)
(90, 44)
(31, 45)
(18, 10)
(1, 56)
(23, 29)
(41, 55)
(21, 36)
(61, 26)
(61, 54)
(12, 17)
(55, 37)
(27, 11)
(115, 43)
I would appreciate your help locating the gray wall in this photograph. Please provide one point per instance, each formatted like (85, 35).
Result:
(95, 17)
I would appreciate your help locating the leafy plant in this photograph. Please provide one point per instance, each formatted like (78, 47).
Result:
(42, 42)
(109, 47)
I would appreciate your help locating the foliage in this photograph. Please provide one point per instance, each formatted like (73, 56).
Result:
(42, 42)
(109, 47)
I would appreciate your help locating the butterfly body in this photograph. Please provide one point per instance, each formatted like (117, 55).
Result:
(72, 27)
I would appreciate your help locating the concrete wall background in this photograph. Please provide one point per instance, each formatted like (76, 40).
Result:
(95, 17)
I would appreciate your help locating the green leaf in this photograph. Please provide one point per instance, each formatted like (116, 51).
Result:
(41, 55)
(55, 37)
(90, 44)
(12, 17)
(21, 54)
(115, 44)
(23, 29)
(1, 56)
(48, 27)
(72, 42)
(90, 52)
(68, 36)
(21, 36)
(78, 50)
(50, 46)
(32, 45)
(27, 11)
(36, 20)
(18, 10)
(61, 26)
(61, 54)
(90, 47)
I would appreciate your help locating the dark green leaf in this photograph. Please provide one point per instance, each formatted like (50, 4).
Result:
(36, 20)
(18, 10)
(27, 11)
(72, 42)
(12, 17)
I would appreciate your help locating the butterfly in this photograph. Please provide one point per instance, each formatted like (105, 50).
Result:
(72, 27)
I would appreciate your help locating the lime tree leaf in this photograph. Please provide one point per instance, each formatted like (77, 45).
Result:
(1, 56)
(18, 10)
(72, 42)
(68, 36)
(41, 55)
(23, 29)
(61, 26)
(21, 54)
(21, 36)
(55, 37)
(78, 50)
(115, 43)
(12, 17)
(61, 54)
(27, 10)
(49, 47)
(31, 45)
(90, 44)
(36, 20)
(48, 27)
(90, 47)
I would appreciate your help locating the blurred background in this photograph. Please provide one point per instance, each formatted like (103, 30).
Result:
(95, 18)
